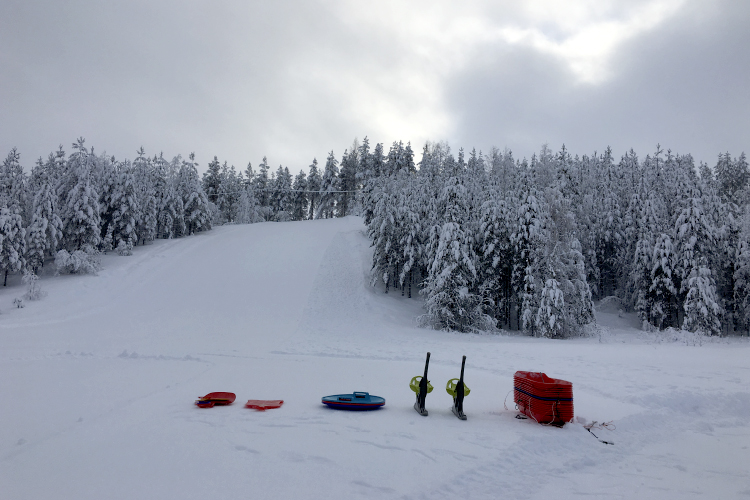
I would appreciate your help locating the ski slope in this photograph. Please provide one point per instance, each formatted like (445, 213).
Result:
(99, 378)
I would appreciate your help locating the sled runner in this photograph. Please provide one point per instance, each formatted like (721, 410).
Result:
(216, 399)
(458, 390)
(422, 387)
(354, 401)
(263, 405)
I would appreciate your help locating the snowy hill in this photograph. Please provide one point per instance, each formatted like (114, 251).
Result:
(98, 382)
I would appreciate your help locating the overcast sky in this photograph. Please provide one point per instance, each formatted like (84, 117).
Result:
(293, 80)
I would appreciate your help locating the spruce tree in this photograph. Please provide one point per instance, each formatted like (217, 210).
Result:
(45, 231)
(452, 301)
(212, 180)
(125, 218)
(663, 292)
(329, 187)
(314, 182)
(81, 219)
(702, 310)
(495, 258)
(12, 242)
(13, 183)
(195, 202)
(550, 314)
(299, 196)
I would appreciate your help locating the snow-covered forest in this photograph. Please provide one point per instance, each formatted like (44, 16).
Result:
(497, 242)
(71, 208)
(488, 240)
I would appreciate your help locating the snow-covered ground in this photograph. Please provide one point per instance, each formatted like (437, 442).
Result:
(98, 381)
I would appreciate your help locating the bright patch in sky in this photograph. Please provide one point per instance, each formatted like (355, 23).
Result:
(424, 43)
(589, 41)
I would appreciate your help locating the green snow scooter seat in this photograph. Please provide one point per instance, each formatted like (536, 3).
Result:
(451, 388)
(414, 384)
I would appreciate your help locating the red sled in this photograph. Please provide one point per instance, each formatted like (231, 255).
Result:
(547, 400)
(216, 399)
(264, 404)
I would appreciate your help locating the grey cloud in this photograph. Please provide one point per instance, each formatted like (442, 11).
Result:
(683, 85)
(241, 80)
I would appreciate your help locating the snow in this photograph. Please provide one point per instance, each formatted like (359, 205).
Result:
(99, 378)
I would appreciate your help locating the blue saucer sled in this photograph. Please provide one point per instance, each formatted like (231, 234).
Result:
(355, 401)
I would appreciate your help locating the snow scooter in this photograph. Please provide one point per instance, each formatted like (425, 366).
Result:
(421, 386)
(458, 390)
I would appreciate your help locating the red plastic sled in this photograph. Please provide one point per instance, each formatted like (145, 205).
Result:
(547, 400)
(264, 404)
(216, 399)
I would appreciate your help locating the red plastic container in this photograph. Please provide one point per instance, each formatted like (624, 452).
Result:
(547, 400)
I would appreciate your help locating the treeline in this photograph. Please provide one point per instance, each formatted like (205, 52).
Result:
(72, 208)
(265, 195)
(492, 241)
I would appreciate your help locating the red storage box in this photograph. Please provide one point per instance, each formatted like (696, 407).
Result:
(547, 400)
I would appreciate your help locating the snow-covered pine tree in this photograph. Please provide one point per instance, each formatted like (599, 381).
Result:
(348, 181)
(12, 241)
(694, 240)
(608, 227)
(261, 188)
(549, 319)
(663, 293)
(171, 213)
(314, 182)
(560, 265)
(81, 220)
(126, 211)
(195, 202)
(495, 258)
(503, 169)
(229, 191)
(648, 212)
(248, 212)
(701, 306)
(249, 175)
(741, 292)
(107, 189)
(476, 181)
(362, 177)
(631, 174)
(452, 301)
(329, 187)
(13, 183)
(393, 160)
(410, 232)
(145, 192)
(527, 238)
(383, 233)
(375, 167)
(300, 203)
(281, 195)
(45, 231)
(33, 184)
(177, 210)
(579, 306)
(212, 180)
(732, 176)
